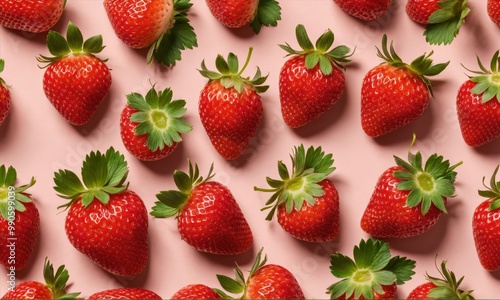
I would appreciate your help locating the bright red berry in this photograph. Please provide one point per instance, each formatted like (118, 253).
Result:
(31, 16)
(364, 9)
(493, 9)
(195, 291)
(124, 293)
(5, 101)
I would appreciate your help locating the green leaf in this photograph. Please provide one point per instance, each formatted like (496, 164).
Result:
(94, 170)
(325, 65)
(384, 277)
(183, 182)
(67, 183)
(10, 177)
(312, 60)
(303, 39)
(338, 289)
(221, 64)
(117, 167)
(268, 14)
(172, 198)
(342, 266)
(232, 63)
(372, 254)
(325, 41)
(137, 101)
(443, 32)
(160, 210)
(74, 37)
(402, 268)
(93, 45)
(230, 284)
(57, 44)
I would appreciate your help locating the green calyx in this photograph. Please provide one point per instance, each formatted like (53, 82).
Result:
(159, 117)
(239, 284)
(492, 192)
(319, 53)
(268, 13)
(230, 76)
(428, 184)
(10, 195)
(488, 81)
(444, 24)
(102, 174)
(73, 44)
(309, 168)
(180, 36)
(57, 281)
(422, 66)
(372, 268)
(2, 66)
(171, 202)
(447, 286)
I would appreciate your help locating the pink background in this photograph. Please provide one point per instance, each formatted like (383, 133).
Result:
(38, 141)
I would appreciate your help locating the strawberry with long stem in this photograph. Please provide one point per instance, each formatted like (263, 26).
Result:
(106, 221)
(372, 273)
(306, 202)
(5, 100)
(151, 126)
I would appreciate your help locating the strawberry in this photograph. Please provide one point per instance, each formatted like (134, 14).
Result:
(446, 287)
(75, 81)
(493, 9)
(31, 16)
(442, 17)
(106, 221)
(486, 225)
(5, 101)
(373, 274)
(195, 291)
(478, 105)
(239, 13)
(230, 106)
(151, 126)
(208, 217)
(53, 288)
(19, 221)
(125, 293)
(161, 25)
(312, 80)
(410, 197)
(265, 281)
(306, 202)
(364, 9)
(394, 94)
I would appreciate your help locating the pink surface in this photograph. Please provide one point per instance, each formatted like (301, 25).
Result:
(38, 141)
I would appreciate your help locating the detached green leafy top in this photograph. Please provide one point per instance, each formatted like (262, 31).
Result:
(8, 178)
(488, 81)
(444, 24)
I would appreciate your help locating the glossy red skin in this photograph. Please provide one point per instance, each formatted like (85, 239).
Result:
(273, 282)
(390, 292)
(27, 231)
(493, 8)
(420, 10)
(125, 293)
(211, 221)
(316, 223)
(29, 290)
(388, 216)
(114, 236)
(5, 103)
(230, 119)
(139, 23)
(233, 13)
(136, 144)
(31, 16)
(486, 231)
(364, 9)
(76, 85)
(195, 291)
(479, 122)
(422, 291)
(391, 98)
(306, 94)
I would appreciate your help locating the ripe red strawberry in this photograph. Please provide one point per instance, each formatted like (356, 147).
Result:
(364, 9)
(265, 281)
(53, 288)
(19, 221)
(161, 25)
(409, 198)
(125, 293)
(106, 221)
(208, 217)
(239, 13)
(486, 225)
(493, 9)
(151, 126)
(373, 274)
(394, 94)
(478, 105)
(312, 80)
(4, 96)
(306, 202)
(31, 16)
(442, 17)
(230, 106)
(446, 287)
(75, 81)
(195, 291)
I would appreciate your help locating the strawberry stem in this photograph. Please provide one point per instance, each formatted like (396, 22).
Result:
(249, 55)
